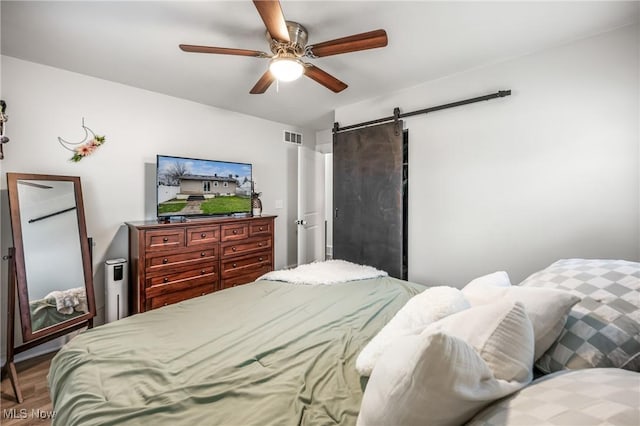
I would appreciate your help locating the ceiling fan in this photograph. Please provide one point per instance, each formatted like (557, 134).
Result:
(288, 44)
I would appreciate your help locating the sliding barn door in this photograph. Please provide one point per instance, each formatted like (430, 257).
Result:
(369, 182)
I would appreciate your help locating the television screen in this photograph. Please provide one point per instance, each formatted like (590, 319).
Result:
(196, 187)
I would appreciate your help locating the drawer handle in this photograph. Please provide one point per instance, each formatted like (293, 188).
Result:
(165, 304)
(259, 244)
(165, 279)
(203, 235)
(203, 254)
(203, 294)
(203, 272)
(235, 231)
(260, 228)
(260, 259)
(233, 249)
(234, 265)
(165, 260)
(165, 239)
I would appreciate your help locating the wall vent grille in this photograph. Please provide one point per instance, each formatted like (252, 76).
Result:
(293, 137)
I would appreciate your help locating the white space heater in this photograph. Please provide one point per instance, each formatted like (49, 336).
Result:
(115, 289)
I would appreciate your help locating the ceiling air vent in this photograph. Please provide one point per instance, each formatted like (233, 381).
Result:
(293, 137)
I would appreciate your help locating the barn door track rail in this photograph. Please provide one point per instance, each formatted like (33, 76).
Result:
(397, 115)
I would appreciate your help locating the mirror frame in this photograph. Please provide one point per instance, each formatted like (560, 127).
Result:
(28, 334)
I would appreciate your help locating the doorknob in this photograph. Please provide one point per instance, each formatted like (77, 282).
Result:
(301, 222)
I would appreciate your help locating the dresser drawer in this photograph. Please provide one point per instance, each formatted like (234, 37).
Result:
(179, 296)
(245, 278)
(158, 262)
(203, 235)
(234, 232)
(173, 278)
(164, 239)
(260, 228)
(245, 247)
(245, 265)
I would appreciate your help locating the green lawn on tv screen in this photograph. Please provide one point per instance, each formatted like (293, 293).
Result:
(224, 205)
(217, 205)
(171, 207)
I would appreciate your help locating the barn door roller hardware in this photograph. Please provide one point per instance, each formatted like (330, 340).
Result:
(397, 115)
(397, 126)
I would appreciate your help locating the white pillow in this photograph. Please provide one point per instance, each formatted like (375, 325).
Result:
(500, 332)
(547, 308)
(420, 311)
(430, 379)
(496, 279)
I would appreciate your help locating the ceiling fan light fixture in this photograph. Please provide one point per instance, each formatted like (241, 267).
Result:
(286, 69)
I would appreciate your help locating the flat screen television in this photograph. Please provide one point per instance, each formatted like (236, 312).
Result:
(191, 187)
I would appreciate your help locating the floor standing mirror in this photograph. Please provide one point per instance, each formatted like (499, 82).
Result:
(50, 263)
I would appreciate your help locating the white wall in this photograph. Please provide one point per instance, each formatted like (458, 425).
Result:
(516, 183)
(118, 180)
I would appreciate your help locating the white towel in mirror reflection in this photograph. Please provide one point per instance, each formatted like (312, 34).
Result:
(67, 301)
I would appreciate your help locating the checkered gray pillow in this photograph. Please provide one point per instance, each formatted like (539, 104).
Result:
(597, 396)
(603, 329)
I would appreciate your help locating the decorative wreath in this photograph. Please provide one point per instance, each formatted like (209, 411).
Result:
(83, 148)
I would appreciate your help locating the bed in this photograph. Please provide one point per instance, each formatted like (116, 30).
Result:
(45, 314)
(262, 353)
(56, 307)
(276, 353)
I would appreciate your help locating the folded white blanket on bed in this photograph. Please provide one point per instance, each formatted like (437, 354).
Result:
(327, 272)
(67, 301)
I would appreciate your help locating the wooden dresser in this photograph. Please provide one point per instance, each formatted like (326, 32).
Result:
(170, 262)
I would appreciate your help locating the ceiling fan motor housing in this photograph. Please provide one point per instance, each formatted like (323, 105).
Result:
(298, 37)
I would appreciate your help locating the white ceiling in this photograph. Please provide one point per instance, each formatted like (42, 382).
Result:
(136, 43)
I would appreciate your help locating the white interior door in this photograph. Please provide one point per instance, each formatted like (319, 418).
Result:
(311, 232)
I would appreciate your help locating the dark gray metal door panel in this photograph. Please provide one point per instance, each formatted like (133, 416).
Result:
(368, 197)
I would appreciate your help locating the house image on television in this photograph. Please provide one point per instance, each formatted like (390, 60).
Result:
(207, 186)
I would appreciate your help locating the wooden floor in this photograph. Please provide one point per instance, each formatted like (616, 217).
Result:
(36, 407)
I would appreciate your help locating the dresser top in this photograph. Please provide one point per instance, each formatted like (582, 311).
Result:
(147, 224)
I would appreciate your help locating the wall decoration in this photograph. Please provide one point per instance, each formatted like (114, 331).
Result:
(3, 119)
(86, 146)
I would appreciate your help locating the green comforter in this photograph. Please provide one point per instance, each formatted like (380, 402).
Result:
(266, 353)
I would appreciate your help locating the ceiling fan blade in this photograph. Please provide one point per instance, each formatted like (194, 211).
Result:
(327, 80)
(223, 51)
(271, 13)
(353, 43)
(263, 84)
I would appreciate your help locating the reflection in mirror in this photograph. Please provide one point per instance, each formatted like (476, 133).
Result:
(51, 238)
